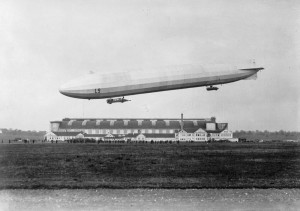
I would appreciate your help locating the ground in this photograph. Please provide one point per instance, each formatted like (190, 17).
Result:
(201, 165)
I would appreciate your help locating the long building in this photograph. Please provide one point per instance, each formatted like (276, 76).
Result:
(141, 129)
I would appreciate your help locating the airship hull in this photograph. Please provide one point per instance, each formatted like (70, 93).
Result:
(98, 86)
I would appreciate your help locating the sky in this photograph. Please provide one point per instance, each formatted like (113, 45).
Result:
(44, 44)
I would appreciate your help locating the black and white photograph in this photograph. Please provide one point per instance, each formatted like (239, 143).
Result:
(149, 105)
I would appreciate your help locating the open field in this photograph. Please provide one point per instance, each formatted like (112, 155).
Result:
(201, 165)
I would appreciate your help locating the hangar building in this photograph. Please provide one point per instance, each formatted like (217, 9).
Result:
(142, 129)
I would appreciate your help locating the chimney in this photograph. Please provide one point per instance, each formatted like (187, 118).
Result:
(181, 122)
(213, 119)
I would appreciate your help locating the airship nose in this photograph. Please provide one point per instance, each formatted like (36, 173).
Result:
(63, 89)
(73, 88)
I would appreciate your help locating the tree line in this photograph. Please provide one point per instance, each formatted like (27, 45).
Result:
(267, 135)
(11, 134)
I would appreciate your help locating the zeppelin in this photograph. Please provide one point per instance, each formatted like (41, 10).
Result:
(140, 81)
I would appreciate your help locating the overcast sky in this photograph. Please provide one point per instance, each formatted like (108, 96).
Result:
(46, 43)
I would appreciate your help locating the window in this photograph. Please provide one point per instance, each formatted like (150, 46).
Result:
(164, 131)
(107, 131)
(149, 131)
(128, 131)
(121, 131)
(156, 131)
(114, 132)
(171, 131)
(93, 131)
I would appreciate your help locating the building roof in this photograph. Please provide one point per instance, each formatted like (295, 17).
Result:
(219, 128)
(190, 130)
(161, 135)
(131, 135)
(132, 123)
(94, 135)
(55, 121)
(113, 138)
(151, 135)
(214, 131)
(67, 133)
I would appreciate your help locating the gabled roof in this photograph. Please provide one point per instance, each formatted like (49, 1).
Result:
(200, 130)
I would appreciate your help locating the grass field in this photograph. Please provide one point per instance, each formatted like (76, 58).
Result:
(201, 165)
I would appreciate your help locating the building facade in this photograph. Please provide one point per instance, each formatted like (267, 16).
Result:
(139, 129)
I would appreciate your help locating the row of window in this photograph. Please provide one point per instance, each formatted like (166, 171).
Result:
(201, 139)
(112, 122)
(228, 135)
(122, 131)
(192, 139)
(193, 134)
(59, 138)
(200, 134)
